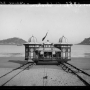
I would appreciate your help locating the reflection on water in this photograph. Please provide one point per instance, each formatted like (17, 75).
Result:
(12, 50)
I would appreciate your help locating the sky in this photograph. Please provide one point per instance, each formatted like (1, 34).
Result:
(23, 21)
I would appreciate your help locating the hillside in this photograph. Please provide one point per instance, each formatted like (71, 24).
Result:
(86, 41)
(12, 41)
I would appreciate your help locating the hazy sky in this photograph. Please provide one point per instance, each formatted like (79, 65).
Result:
(23, 21)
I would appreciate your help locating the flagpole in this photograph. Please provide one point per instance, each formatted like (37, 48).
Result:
(43, 43)
(45, 36)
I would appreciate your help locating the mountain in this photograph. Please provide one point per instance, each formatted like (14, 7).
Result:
(86, 41)
(12, 41)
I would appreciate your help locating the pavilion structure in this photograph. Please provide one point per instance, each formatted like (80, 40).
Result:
(47, 51)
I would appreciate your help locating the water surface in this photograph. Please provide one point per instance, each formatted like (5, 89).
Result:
(13, 50)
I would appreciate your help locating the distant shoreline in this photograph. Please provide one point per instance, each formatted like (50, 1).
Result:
(11, 44)
(11, 54)
(81, 44)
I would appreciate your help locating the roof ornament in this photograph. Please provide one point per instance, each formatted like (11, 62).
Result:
(47, 42)
(63, 40)
(32, 39)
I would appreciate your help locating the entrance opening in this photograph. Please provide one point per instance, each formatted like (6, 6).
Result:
(47, 54)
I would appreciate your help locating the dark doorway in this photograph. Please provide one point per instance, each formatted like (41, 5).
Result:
(47, 54)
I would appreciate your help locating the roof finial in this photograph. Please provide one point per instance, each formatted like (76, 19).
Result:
(62, 36)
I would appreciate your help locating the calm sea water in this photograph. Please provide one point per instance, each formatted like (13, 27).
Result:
(12, 50)
(80, 51)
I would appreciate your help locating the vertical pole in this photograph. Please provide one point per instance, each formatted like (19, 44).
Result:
(52, 52)
(29, 52)
(43, 50)
(25, 53)
(34, 52)
(67, 52)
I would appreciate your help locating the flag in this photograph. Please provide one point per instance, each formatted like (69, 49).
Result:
(44, 36)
